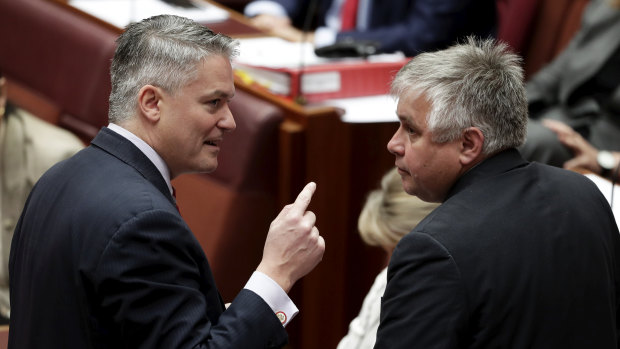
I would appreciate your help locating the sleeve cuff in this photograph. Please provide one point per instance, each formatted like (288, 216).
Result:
(273, 295)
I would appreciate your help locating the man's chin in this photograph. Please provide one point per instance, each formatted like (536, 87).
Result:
(409, 190)
(203, 168)
(407, 186)
(209, 169)
(414, 191)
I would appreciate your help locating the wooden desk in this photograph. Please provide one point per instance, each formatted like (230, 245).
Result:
(4, 336)
(346, 161)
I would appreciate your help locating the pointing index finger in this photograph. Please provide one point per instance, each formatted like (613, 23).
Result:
(303, 199)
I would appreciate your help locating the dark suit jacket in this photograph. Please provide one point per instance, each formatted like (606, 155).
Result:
(520, 255)
(411, 26)
(101, 258)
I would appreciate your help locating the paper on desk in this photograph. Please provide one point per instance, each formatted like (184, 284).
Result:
(605, 187)
(122, 12)
(273, 52)
(380, 108)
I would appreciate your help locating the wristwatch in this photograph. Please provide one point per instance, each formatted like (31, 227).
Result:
(607, 161)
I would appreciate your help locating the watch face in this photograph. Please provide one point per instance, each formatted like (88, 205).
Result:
(606, 160)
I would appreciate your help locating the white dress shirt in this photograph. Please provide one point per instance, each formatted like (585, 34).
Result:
(363, 329)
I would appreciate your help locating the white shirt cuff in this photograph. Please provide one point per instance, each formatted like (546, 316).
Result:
(273, 295)
(324, 36)
(265, 7)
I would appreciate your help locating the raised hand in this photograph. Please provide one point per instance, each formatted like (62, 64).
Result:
(293, 246)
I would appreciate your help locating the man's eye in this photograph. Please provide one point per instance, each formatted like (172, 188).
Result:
(214, 102)
(410, 130)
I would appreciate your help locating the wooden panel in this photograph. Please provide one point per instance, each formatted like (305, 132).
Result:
(346, 161)
(4, 336)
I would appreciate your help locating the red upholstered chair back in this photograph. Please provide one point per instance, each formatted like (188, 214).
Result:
(61, 56)
(248, 158)
(230, 210)
(57, 58)
(538, 29)
(556, 23)
(515, 18)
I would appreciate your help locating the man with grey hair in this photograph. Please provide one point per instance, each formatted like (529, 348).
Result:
(101, 257)
(518, 255)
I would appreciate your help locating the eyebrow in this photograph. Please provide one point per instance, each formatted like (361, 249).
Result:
(220, 93)
(407, 120)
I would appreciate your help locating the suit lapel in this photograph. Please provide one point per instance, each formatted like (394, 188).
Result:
(121, 148)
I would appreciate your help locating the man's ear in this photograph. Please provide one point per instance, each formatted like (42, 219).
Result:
(472, 143)
(148, 102)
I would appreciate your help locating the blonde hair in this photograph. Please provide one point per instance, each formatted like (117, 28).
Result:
(390, 213)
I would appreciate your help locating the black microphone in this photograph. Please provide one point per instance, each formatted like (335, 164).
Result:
(312, 8)
(348, 48)
(305, 29)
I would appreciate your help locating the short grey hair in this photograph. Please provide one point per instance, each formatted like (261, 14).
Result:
(162, 51)
(478, 83)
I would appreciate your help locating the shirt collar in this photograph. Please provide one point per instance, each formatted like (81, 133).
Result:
(147, 150)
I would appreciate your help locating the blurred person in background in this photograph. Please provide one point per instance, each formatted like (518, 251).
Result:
(585, 155)
(28, 147)
(388, 214)
(402, 25)
(580, 88)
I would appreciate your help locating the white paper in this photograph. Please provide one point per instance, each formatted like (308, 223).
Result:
(323, 82)
(380, 108)
(273, 52)
(122, 12)
(605, 187)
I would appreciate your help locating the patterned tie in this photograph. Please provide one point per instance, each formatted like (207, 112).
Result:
(348, 15)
